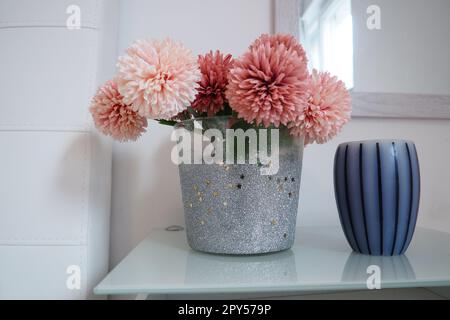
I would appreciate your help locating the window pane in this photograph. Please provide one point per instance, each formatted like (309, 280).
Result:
(330, 45)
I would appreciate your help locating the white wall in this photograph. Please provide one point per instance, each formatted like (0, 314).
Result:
(410, 52)
(146, 192)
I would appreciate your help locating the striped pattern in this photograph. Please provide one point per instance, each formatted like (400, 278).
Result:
(377, 189)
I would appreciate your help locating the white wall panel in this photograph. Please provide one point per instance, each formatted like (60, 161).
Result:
(47, 77)
(55, 173)
(21, 13)
(44, 187)
(97, 248)
(39, 272)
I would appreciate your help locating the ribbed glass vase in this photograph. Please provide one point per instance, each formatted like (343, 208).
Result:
(377, 189)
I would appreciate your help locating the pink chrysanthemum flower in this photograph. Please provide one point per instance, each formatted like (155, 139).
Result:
(277, 39)
(158, 78)
(268, 83)
(114, 118)
(328, 109)
(211, 93)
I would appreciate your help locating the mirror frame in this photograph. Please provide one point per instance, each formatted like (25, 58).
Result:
(286, 19)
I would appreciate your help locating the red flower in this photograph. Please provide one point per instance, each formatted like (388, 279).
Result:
(211, 93)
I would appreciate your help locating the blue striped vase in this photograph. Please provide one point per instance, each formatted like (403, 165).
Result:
(377, 190)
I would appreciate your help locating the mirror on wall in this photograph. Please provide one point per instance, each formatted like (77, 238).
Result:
(393, 55)
(326, 30)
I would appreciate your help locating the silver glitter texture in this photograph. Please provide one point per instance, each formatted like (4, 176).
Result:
(241, 211)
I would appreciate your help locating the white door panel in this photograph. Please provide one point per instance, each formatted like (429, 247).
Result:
(44, 187)
(48, 77)
(40, 272)
(21, 13)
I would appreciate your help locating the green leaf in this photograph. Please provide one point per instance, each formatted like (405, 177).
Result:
(167, 122)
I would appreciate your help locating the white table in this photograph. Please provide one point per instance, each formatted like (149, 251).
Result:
(319, 261)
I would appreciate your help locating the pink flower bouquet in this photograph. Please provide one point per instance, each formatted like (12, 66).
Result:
(268, 86)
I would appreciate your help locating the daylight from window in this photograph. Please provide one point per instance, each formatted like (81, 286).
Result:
(327, 34)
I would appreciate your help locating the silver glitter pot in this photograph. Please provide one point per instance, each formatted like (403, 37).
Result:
(234, 208)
